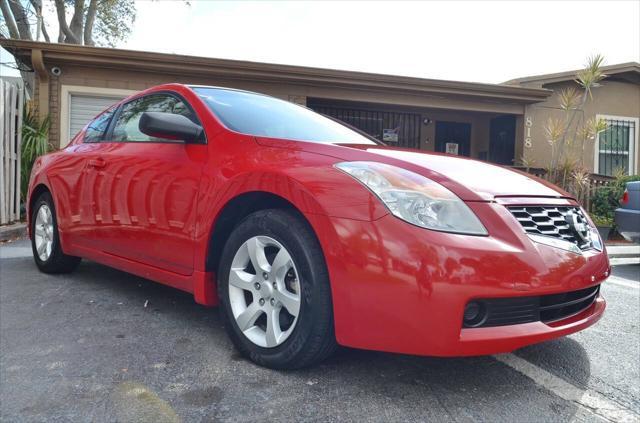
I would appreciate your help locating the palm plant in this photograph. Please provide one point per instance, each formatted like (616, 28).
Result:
(569, 134)
(526, 162)
(35, 143)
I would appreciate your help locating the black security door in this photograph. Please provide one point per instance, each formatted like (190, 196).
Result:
(502, 140)
(396, 128)
(453, 133)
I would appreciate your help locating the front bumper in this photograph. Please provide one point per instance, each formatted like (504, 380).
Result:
(400, 288)
(500, 339)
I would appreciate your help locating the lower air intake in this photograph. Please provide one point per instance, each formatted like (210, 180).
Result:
(544, 308)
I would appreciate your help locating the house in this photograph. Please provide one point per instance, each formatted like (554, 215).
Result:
(499, 123)
(616, 100)
(486, 121)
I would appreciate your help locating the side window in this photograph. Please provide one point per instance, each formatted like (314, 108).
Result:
(96, 129)
(126, 126)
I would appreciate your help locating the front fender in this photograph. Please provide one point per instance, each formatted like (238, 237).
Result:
(212, 202)
(38, 182)
(306, 180)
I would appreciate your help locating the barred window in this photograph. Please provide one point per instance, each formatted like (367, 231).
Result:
(616, 147)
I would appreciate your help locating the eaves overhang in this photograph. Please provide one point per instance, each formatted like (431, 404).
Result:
(175, 64)
(630, 70)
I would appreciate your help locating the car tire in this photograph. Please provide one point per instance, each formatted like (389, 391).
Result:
(45, 239)
(303, 340)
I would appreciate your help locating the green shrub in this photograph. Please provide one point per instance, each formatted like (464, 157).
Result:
(601, 220)
(35, 143)
(607, 199)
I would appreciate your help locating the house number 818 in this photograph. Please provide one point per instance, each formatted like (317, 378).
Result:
(528, 122)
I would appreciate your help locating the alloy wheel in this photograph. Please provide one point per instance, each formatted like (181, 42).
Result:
(264, 291)
(43, 232)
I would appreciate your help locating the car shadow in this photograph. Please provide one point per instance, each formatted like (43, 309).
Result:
(563, 357)
(460, 378)
(348, 385)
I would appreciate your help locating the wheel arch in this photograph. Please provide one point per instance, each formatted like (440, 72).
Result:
(36, 192)
(233, 212)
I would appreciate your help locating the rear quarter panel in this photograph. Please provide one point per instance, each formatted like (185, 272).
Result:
(627, 216)
(633, 190)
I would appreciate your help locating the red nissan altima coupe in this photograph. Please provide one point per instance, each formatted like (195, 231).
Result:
(309, 234)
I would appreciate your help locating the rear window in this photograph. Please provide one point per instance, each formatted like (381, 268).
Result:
(264, 116)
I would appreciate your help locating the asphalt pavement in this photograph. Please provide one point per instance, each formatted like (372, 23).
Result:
(103, 345)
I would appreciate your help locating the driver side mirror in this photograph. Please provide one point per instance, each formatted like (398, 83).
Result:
(170, 126)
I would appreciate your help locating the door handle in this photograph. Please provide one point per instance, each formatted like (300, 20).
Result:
(97, 163)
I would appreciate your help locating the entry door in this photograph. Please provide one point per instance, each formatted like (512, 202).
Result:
(454, 138)
(146, 203)
(502, 140)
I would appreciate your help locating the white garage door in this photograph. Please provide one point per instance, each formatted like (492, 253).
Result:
(83, 108)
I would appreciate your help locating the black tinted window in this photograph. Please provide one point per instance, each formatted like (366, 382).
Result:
(96, 129)
(260, 115)
(126, 127)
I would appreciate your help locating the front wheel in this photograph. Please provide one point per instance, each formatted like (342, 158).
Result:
(274, 291)
(45, 239)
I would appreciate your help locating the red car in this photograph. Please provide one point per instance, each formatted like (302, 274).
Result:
(310, 234)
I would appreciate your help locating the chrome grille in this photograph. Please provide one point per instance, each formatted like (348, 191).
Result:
(555, 222)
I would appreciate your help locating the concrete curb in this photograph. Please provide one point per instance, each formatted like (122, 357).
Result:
(624, 251)
(624, 261)
(14, 231)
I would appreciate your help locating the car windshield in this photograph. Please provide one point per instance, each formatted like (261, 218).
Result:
(264, 116)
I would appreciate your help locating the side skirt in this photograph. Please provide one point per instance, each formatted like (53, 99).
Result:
(200, 284)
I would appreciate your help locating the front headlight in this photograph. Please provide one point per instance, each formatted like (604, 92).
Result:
(415, 198)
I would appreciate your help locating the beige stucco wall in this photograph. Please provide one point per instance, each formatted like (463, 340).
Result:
(611, 98)
(449, 108)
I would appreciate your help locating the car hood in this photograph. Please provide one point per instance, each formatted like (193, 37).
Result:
(471, 180)
(486, 180)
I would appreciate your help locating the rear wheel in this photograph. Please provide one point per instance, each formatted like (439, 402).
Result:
(274, 291)
(45, 239)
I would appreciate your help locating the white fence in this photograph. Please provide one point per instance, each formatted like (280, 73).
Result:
(11, 102)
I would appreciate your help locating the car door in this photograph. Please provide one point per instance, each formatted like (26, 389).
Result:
(73, 179)
(146, 197)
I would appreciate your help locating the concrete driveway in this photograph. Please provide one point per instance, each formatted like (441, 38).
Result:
(102, 345)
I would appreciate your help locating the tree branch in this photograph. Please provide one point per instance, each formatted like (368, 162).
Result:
(88, 24)
(37, 6)
(77, 21)
(65, 33)
(8, 18)
(20, 15)
(45, 34)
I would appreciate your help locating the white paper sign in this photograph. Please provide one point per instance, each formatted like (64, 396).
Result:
(451, 148)
(390, 135)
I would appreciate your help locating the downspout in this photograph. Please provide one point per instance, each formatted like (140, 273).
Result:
(37, 61)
